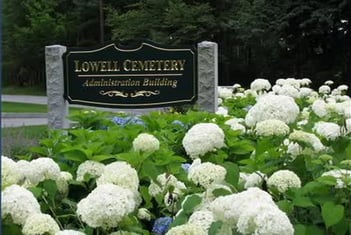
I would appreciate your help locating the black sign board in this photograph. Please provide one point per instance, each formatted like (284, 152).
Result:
(146, 76)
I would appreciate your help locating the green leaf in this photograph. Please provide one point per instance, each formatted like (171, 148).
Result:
(300, 229)
(232, 175)
(190, 202)
(215, 227)
(50, 187)
(314, 230)
(181, 218)
(37, 192)
(100, 158)
(303, 202)
(332, 214)
(286, 206)
(328, 180)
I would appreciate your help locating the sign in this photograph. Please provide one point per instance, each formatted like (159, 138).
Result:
(147, 76)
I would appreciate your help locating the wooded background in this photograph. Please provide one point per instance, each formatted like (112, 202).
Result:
(256, 38)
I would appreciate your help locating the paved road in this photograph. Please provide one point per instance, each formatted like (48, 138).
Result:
(31, 119)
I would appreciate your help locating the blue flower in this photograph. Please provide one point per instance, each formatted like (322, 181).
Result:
(122, 121)
(161, 225)
(186, 166)
(177, 122)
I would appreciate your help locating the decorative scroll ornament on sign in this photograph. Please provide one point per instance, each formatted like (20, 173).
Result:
(131, 94)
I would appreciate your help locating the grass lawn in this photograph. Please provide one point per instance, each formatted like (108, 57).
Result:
(16, 141)
(27, 90)
(13, 107)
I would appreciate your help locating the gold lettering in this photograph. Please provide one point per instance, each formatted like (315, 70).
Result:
(166, 65)
(181, 63)
(94, 66)
(76, 65)
(126, 65)
(152, 65)
(174, 65)
(85, 66)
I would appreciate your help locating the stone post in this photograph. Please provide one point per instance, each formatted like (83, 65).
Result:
(57, 105)
(207, 76)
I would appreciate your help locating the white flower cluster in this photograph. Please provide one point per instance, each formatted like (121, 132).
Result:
(146, 143)
(324, 89)
(40, 224)
(144, 214)
(122, 232)
(120, 173)
(19, 203)
(203, 138)
(254, 179)
(43, 169)
(271, 127)
(307, 138)
(328, 130)
(187, 229)
(202, 218)
(236, 124)
(270, 106)
(164, 182)
(69, 232)
(342, 176)
(92, 168)
(62, 182)
(106, 206)
(260, 85)
(206, 173)
(282, 180)
(10, 172)
(224, 93)
(252, 212)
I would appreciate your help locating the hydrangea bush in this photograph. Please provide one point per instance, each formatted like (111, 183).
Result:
(274, 159)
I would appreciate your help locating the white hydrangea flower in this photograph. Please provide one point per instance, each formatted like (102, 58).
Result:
(328, 130)
(144, 214)
(121, 232)
(120, 173)
(324, 89)
(40, 224)
(26, 170)
(10, 172)
(294, 149)
(224, 92)
(260, 84)
(146, 143)
(289, 90)
(254, 179)
(43, 168)
(305, 82)
(305, 92)
(342, 176)
(272, 127)
(342, 88)
(106, 206)
(187, 229)
(203, 138)
(238, 127)
(292, 82)
(276, 89)
(19, 203)
(220, 101)
(279, 107)
(92, 168)
(264, 219)
(222, 111)
(61, 182)
(329, 82)
(346, 108)
(206, 173)
(202, 218)
(307, 138)
(229, 208)
(319, 107)
(347, 128)
(163, 182)
(69, 232)
(209, 195)
(282, 180)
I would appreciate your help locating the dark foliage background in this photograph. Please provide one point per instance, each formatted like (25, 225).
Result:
(256, 38)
